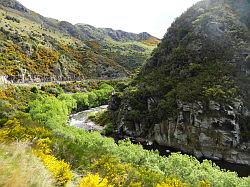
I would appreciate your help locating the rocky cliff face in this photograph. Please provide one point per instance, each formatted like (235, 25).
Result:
(211, 136)
(14, 5)
(193, 93)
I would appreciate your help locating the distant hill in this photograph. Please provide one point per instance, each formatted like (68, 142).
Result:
(13, 4)
(39, 47)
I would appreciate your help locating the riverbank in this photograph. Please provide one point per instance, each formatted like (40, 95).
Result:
(39, 117)
(81, 120)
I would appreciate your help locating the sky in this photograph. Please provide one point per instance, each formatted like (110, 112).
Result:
(152, 16)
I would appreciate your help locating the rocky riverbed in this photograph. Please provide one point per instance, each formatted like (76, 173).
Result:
(81, 120)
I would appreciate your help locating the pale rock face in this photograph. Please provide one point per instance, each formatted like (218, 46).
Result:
(211, 131)
(204, 136)
(14, 5)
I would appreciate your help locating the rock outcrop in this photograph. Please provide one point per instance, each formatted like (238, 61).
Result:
(211, 136)
(193, 94)
(14, 5)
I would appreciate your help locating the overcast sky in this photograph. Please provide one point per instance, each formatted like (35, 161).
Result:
(152, 16)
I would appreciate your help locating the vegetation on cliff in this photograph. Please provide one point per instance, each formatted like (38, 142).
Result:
(202, 59)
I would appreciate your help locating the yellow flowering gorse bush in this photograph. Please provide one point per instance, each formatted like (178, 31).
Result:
(60, 169)
(171, 182)
(92, 180)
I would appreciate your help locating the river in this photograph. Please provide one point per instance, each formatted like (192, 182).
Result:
(81, 120)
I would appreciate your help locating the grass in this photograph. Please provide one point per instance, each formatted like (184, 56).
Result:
(19, 167)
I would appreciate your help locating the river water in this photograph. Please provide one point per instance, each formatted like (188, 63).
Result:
(81, 120)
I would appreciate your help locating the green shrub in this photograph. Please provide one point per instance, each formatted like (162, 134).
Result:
(102, 118)
(82, 101)
(93, 98)
(49, 111)
(68, 100)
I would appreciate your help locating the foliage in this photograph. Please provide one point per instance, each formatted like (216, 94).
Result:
(59, 169)
(69, 101)
(94, 181)
(171, 183)
(102, 118)
(82, 101)
(79, 148)
(13, 130)
(115, 171)
(93, 98)
(50, 111)
(46, 49)
(12, 19)
(62, 148)
(200, 60)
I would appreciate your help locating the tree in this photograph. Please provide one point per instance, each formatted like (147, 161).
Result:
(49, 111)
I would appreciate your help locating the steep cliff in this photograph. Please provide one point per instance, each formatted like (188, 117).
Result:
(193, 94)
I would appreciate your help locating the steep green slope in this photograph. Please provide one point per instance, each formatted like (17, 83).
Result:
(40, 48)
(193, 94)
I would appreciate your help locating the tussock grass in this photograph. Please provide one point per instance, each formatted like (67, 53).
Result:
(20, 168)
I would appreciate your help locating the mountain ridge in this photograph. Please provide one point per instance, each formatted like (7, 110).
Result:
(78, 51)
(75, 30)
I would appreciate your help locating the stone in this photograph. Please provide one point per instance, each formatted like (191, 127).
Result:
(214, 106)
(204, 140)
(198, 154)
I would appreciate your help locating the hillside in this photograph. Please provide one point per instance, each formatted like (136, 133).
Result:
(102, 133)
(193, 94)
(38, 147)
(42, 48)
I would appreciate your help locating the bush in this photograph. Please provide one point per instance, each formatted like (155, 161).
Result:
(82, 101)
(69, 101)
(94, 181)
(171, 183)
(112, 169)
(12, 19)
(104, 119)
(121, 164)
(93, 98)
(49, 111)
(14, 131)
(59, 169)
